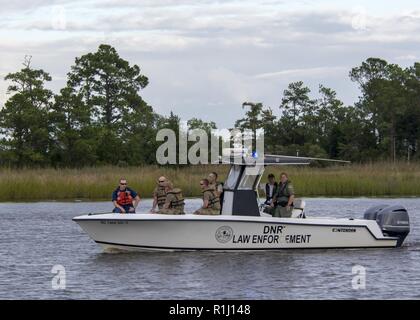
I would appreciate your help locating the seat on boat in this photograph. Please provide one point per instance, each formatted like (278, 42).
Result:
(298, 208)
(297, 212)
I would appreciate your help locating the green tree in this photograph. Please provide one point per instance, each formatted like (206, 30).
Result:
(383, 98)
(196, 123)
(259, 117)
(109, 87)
(74, 143)
(139, 132)
(253, 118)
(25, 117)
(408, 129)
(354, 137)
(296, 107)
(330, 114)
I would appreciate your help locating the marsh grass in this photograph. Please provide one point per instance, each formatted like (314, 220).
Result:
(94, 183)
(376, 179)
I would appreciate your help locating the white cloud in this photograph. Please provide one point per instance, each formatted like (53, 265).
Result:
(408, 57)
(304, 72)
(200, 52)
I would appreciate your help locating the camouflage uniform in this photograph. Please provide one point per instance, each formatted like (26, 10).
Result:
(160, 193)
(217, 186)
(282, 195)
(175, 202)
(213, 201)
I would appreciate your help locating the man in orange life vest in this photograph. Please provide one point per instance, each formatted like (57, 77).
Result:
(125, 199)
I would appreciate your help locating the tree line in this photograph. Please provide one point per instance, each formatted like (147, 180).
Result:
(100, 118)
(384, 124)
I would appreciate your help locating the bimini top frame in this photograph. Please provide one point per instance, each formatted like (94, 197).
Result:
(269, 159)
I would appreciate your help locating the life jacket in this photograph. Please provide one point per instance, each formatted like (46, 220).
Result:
(161, 196)
(124, 198)
(283, 194)
(216, 186)
(179, 202)
(214, 199)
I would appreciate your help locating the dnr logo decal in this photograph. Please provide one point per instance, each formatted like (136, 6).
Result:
(224, 234)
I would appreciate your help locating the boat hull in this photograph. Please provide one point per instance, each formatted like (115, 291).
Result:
(144, 232)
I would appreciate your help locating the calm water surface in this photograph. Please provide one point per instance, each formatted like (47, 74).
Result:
(36, 236)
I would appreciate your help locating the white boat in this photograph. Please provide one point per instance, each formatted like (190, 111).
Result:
(243, 226)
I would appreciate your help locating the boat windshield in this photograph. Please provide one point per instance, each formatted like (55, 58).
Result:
(250, 176)
(234, 173)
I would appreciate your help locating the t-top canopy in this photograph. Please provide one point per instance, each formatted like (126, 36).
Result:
(274, 160)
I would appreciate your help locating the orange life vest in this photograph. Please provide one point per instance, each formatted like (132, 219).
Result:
(124, 198)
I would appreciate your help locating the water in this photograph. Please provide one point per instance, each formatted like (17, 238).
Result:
(36, 236)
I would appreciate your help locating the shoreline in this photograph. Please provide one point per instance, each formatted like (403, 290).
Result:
(198, 198)
(373, 180)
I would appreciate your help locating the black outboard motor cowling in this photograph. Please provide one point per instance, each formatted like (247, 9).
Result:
(394, 222)
(372, 213)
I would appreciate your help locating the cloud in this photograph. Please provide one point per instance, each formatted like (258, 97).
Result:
(203, 54)
(304, 72)
(408, 57)
(7, 6)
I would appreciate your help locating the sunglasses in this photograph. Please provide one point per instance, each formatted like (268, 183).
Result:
(161, 181)
(123, 184)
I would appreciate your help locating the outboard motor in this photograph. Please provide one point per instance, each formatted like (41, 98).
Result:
(372, 213)
(393, 221)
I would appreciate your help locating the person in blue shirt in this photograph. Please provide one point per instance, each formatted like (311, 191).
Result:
(125, 199)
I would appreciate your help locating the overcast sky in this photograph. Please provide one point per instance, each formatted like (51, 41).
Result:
(204, 58)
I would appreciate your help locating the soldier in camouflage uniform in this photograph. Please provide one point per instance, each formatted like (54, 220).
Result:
(283, 198)
(214, 184)
(211, 200)
(174, 203)
(159, 194)
(217, 186)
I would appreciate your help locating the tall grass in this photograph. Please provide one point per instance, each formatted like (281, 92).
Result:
(376, 179)
(94, 183)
